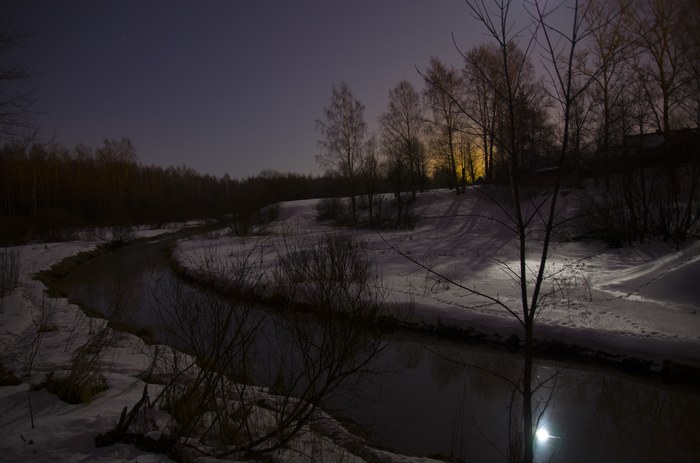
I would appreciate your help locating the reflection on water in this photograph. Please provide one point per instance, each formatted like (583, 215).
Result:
(663, 424)
(435, 405)
(437, 397)
(120, 285)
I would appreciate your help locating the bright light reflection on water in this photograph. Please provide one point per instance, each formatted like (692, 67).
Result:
(543, 435)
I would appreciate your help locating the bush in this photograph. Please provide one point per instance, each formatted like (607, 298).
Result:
(256, 223)
(646, 204)
(85, 378)
(8, 377)
(334, 274)
(77, 388)
(333, 209)
(208, 391)
(122, 233)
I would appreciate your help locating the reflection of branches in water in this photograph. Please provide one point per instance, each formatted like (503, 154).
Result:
(322, 357)
(502, 377)
(409, 355)
(494, 367)
(445, 371)
(219, 335)
(636, 415)
(121, 301)
(311, 357)
(323, 353)
(459, 432)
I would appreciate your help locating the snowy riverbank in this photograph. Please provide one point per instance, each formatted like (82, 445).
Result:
(641, 301)
(40, 337)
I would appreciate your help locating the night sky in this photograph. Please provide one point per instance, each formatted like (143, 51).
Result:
(224, 86)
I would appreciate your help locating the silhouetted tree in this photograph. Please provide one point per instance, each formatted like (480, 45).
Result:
(403, 125)
(371, 174)
(343, 130)
(557, 48)
(510, 76)
(657, 29)
(442, 84)
(606, 59)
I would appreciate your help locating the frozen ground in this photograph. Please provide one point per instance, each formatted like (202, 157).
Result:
(642, 301)
(63, 432)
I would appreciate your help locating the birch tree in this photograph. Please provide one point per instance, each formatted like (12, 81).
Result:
(508, 79)
(405, 124)
(343, 130)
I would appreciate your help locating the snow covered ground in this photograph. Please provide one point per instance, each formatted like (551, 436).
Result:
(642, 301)
(64, 432)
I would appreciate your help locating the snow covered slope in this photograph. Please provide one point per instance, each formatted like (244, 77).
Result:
(642, 301)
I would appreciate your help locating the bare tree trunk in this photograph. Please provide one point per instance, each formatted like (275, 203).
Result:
(528, 425)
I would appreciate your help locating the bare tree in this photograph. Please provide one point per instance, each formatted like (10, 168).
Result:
(509, 110)
(467, 158)
(656, 27)
(605, 59)
(636, 107)
(510, 79)
(559, 48)
(343, 130)
(511, 71)
(442, 83)
(371, 174)
(402, 126)
(583, 136)
(482, 102)
(691, 100)
(394, 164)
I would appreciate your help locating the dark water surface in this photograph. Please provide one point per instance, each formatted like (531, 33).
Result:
(428, 396)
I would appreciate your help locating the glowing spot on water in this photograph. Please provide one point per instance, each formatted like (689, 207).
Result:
(542, 435)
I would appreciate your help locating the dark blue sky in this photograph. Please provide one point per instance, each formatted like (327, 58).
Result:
(224, 86)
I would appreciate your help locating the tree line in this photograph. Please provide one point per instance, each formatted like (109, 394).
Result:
(46, 189)
(635, 72)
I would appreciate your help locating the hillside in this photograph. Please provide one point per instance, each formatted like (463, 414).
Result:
(640, 301)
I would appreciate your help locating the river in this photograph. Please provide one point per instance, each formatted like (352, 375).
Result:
(433, 397)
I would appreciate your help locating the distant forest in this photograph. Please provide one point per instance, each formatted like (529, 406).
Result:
(49, 188)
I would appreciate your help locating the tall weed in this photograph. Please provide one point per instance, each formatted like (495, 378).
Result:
(9, 270)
